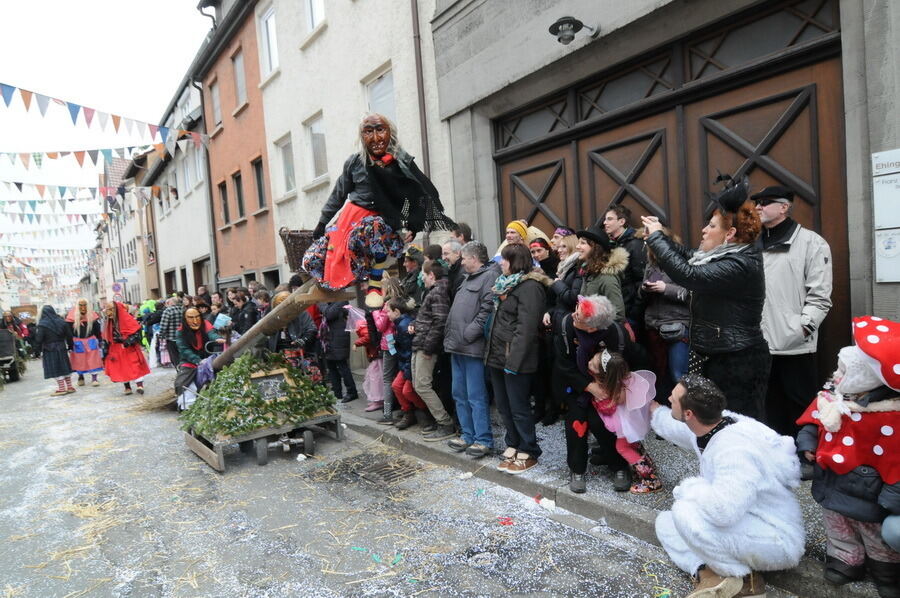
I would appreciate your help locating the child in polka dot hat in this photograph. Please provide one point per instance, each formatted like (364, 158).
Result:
(850, 432)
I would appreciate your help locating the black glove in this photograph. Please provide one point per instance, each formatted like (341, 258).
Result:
(319, 231)
(132, 340)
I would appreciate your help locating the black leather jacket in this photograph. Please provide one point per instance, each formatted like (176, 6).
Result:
(727, 294)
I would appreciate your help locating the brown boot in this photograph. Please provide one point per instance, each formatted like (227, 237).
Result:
(409, 419)
(709, 584)
(754, 586)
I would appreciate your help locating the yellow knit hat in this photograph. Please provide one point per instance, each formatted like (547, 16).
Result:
(520, 226)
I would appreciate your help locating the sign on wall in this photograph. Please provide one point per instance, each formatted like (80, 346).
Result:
(886, 214)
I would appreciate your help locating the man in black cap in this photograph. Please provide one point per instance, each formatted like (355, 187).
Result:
(798, 297)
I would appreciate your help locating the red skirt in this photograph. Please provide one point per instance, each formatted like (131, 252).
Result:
(85, 357)
(124, 364)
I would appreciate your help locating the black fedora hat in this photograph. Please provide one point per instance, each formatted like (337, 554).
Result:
(774, 192)
(597, 234)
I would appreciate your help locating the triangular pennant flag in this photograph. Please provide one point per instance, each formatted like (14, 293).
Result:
(93, 155)
(120, 152)
(38, 218)
(88, 116)
(107, 154)
(52, 207)
(18, 186)
(196, 138)
(26, 98)
(25, 158)
(31, 218)
(52, 155)
(80, 157)
(62, 205)
(38, 158)
(73, 111)
(22, 217)
(7, 92)
(160, 149)
(42, 102)
(116, 120)
(164, 133)
(183, 144)
(32, 204)
(84, 217)
(40, 189)
(129, 124)
(153, 130)
(62, 191)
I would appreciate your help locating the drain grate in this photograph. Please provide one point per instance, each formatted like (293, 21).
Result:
(391, 472)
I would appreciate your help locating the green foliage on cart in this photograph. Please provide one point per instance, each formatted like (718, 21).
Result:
(233, 405)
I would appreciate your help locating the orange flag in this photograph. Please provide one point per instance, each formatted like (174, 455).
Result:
(80, 157)
(52, 155)
(160, 149)
(116, 120)
(25, 158)
(40, 189)
(26, 98)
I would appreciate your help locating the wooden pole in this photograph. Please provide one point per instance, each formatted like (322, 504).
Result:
(281, 316)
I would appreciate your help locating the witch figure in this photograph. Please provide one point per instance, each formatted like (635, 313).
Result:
(124, 359)
(85, 356)
(52, 341)
(381, 201)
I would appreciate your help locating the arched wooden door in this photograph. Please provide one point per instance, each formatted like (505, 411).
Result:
(785, 130)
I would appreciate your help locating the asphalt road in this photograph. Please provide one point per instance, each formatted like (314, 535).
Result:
(99, 499)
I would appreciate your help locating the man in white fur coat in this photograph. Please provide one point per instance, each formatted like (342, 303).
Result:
(740, 515)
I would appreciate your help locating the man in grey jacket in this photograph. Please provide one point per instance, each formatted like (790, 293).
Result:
(464, 341)
(798, 297)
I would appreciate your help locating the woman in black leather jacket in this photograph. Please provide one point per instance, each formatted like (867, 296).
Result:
(727, 290)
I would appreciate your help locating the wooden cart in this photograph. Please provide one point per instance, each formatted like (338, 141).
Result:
(327, 421)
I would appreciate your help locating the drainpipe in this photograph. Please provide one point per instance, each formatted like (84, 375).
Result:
(420, 86)
(214, 253)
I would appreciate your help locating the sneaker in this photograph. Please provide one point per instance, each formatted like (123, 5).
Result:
(140, 390)
(374, 407)
(506, 458)
(523, 462)
(127, 391)
(441, 432)
(429, 427)
(58, 393)
(622, 480)
(477, 451)
(458, 445)
(577, 483)
(710, 584)
(95, 383)
(754, 586)
(385, 420)
(70, 391)
(81, 382)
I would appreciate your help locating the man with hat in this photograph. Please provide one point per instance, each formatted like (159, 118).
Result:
(798, 297)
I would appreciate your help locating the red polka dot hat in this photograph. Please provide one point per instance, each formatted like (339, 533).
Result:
(880, 339)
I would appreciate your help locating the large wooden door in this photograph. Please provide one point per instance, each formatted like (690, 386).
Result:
(783, 130)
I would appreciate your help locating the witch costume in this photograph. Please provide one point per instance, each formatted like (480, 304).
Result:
(373, 201)
(124, 361)
(52, 342)
(85, 357)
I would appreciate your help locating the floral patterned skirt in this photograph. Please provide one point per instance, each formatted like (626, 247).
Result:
(347, 252)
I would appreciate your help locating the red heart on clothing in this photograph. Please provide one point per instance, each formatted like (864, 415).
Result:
(580, 428)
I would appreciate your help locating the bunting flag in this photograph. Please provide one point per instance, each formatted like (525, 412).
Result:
(90, 115)
(180, 138)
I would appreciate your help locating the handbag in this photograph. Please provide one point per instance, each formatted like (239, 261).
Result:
(673, 331)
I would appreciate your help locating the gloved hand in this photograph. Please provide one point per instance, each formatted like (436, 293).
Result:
(319, 231)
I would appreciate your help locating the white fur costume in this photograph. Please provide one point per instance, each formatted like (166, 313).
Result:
(740, 514)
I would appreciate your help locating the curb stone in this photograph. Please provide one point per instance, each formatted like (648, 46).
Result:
(805, 580)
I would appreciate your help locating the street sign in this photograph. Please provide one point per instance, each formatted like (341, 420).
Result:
(117, 288)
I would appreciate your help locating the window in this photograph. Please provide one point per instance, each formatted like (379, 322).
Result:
(270, 42)
(240, 83)
(287, 165)
(381, 95)
(223, 196)
(260, 182)
(316, 129)
(316, 11)
(216, 105)
(238, 193)
(199, 164)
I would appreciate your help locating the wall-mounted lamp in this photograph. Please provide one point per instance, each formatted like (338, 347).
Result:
(565, 29)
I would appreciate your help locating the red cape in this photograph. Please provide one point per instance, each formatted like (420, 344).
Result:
(864, 439)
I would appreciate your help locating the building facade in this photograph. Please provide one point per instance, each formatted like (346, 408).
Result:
(666, 96)
(229, 68)
(320, 75)
(182, 247)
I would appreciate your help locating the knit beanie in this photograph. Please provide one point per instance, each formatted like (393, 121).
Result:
(520, 226)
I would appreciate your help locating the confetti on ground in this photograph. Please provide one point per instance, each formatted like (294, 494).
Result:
(505, 521)
(465, 476)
